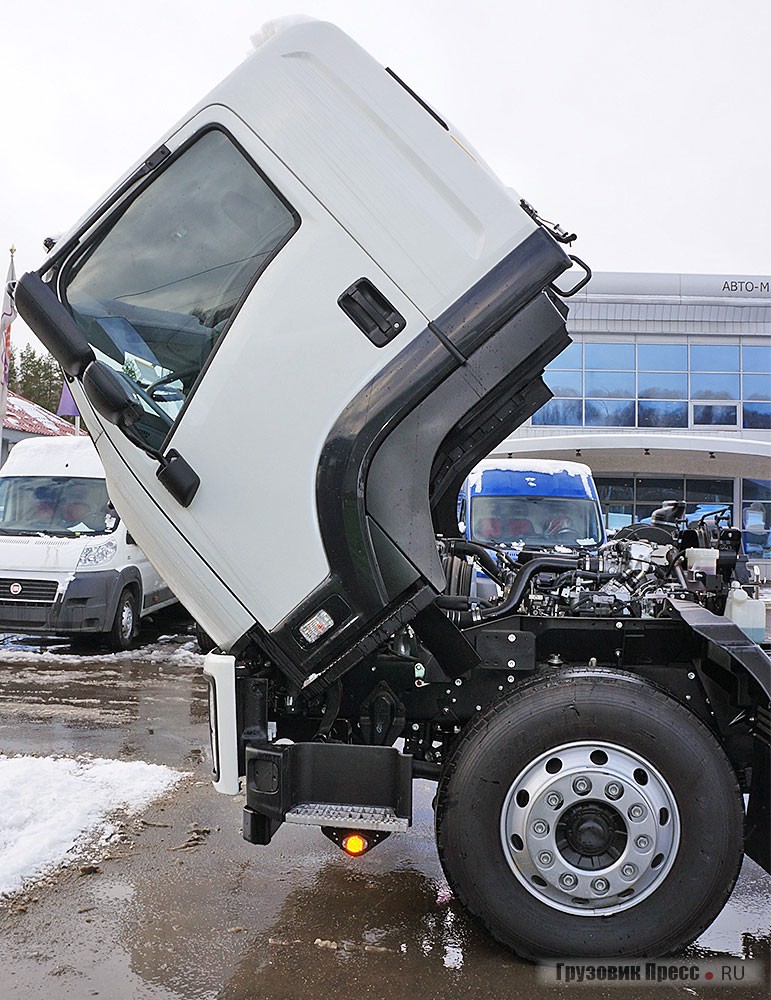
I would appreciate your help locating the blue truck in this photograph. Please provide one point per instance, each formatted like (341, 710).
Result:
(532, 503)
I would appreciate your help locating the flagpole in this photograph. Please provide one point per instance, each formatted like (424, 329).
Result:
(8, 316)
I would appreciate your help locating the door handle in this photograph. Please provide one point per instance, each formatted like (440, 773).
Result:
(371, 311)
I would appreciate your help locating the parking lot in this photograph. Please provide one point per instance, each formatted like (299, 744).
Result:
(177, 905)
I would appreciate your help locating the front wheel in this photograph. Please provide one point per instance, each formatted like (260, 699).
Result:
(125, 625)
(590, 814)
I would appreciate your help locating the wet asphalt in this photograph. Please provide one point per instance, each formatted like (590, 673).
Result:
(181, 907)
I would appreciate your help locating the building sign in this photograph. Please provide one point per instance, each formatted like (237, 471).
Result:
(746, 285)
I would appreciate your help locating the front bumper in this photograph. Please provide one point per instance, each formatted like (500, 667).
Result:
(81, 602)
(220, 673)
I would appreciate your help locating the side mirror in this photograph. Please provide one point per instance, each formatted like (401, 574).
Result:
(110, 396)
(53, 325)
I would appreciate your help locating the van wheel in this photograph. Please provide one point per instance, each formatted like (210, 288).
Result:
(126, 622)
(590, 814)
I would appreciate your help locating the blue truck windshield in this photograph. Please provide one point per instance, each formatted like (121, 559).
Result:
(535, 521)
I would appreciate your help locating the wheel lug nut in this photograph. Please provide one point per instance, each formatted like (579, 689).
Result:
(554, 800)
(643, 842)
(582, 786)
(629, 871)
(545, 859)
(637, 812)
(614, 790)
(568, 880)
(600, 886)
(540, 828)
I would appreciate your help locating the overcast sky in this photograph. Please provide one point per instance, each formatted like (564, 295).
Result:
(642, 126)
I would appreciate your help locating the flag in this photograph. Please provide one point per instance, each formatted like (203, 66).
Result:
(9, 315)
(67, 406)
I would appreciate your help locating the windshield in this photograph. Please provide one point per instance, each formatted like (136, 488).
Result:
(55, 505)
(535, 521)
(156, 290)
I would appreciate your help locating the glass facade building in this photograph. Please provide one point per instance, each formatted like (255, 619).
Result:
(666, 393)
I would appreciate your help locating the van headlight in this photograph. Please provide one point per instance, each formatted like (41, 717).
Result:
(93, 555)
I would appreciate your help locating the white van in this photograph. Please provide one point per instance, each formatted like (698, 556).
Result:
(68, 566)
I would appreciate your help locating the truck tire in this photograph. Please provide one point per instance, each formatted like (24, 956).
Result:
(125, 625)
(590, 814)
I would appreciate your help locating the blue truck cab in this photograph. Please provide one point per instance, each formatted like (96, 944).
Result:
(530, 504)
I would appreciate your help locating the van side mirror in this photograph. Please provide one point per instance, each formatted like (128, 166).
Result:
(52, 324)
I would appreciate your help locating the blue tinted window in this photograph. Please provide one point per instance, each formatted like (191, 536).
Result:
(618, 384)
(660, 488)
(756, 386)
(756, 518)
(565, 412)
(756, 489)
(714, 415)
(609, 413)
(662, 385)
(757, 416)
(570, 358)
(652, 413)
(662, 357)
(714, 386)
(717, 358)
(614, 488)
(711, 491)
(617, 356)
(756, 359)
(564, 383)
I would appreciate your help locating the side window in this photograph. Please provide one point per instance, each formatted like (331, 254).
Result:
(154, 293)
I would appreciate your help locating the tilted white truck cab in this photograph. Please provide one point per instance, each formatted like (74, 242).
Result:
(293, 329)
(68, 566)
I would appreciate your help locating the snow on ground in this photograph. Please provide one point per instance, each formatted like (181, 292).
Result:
(51, 809)
(185, 655)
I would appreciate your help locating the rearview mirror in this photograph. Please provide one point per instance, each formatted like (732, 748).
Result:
(52, 324)
(110, 396)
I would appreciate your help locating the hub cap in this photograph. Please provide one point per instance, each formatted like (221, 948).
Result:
(590, 828)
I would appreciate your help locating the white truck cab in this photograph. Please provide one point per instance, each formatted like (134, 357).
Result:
(293, 329)
(68, 565)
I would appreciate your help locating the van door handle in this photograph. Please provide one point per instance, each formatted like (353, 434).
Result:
(371, 311)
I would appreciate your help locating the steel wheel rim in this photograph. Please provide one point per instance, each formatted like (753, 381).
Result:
(126, 620)
(590, 828)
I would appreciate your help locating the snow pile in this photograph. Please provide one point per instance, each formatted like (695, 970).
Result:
(185, 655)
(50, 808)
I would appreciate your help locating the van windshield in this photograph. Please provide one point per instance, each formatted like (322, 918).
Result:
(55, 505)
(535, 521)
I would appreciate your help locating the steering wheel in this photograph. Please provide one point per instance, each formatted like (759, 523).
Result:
(171, 377)
(142, 393)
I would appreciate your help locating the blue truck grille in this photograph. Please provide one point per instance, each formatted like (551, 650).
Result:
(14, 591)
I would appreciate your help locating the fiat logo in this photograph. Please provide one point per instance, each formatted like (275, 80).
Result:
(15, 589)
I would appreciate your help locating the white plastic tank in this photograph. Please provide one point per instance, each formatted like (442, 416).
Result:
(746, 612)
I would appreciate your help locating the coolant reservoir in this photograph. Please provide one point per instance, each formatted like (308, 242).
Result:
(747, 613)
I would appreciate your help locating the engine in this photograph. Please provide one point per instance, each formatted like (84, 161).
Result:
(633, 575)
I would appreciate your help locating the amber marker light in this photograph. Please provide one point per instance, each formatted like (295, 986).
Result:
(354, 844)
